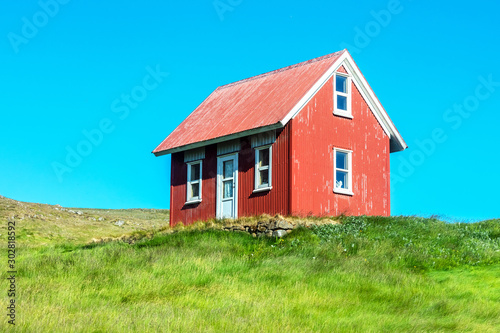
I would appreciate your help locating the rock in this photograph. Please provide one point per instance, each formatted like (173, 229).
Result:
(254, 235)
(119, 223)
(262, 229)
(269, 233)
(79, 212)
(280, 224)
(101, 219)
(71, 211)
(279, 233)
(284, 225)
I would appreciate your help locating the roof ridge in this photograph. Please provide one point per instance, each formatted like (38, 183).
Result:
(300, 64)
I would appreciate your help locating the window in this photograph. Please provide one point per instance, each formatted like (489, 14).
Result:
(342, 173)
(194, 182)
(263, 166)
(342, 95)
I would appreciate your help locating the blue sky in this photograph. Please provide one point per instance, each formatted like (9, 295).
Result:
(67, 68)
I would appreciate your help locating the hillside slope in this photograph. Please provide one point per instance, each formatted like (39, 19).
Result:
(42, 224)
(366, 274)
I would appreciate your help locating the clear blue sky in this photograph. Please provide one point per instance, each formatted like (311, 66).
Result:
(70, 71)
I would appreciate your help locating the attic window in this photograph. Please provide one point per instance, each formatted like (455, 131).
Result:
(194, 182)
(342, 101)
(342, 173)
(263, 168)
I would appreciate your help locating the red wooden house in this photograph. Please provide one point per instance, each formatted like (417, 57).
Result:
(309, 139)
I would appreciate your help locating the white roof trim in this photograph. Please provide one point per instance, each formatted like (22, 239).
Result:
(366, 92)
(397, 142)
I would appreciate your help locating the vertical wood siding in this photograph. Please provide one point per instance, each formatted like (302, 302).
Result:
(205, 210)
(272, 202)
(316, 131)
(302, 167)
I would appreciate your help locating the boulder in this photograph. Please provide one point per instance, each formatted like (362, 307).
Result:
(279, 233)
(280, 224)
(119, 223)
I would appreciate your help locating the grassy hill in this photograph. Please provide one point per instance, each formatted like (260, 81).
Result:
(367, 274)
(41, 224)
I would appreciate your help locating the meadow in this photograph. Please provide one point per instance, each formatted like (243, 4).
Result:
(367, 274)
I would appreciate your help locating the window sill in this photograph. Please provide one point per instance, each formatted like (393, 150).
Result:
(262, 189)
(192, 202)
(342, 191)
(343, 114)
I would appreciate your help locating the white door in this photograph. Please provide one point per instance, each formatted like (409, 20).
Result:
(227, 186)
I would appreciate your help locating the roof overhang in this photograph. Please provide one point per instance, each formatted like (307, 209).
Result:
(220, 139)
(396, 141)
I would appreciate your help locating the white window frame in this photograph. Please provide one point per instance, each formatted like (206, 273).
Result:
(269, 186)
(348, 190)
(348, 94)
(192, 200)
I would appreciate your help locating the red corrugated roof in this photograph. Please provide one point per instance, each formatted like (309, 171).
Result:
(252, 103)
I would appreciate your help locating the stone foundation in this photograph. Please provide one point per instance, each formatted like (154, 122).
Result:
(275, 227)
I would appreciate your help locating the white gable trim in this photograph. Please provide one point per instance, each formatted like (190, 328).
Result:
(366, 92)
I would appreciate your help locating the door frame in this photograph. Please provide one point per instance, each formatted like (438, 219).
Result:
(219, 187)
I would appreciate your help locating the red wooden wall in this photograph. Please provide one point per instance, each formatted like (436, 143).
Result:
(302, 167)
(205, 210)
(315, 132)
(272, 202)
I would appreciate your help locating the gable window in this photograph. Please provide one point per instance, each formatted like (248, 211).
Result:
(194, 182)
(342, 173)
(342, 95)
(263, 168)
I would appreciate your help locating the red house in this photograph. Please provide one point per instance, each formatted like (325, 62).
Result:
(309, 139)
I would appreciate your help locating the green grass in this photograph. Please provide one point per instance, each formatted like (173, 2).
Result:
(41, 224)
(367, 274)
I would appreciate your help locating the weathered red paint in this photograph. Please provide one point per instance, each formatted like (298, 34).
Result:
(179, 211)
(302, 161)
(231, 108)
(273, 202)
(303, 186)
(316, 131)
(342, 69)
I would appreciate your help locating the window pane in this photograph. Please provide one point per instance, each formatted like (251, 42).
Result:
(264, 157)
(342, 180)
(341, 159)
(263, 177)
(228, 189)
(228, 169)
(195, 171)
(342, 102)
(341, 84)
(195, 190)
